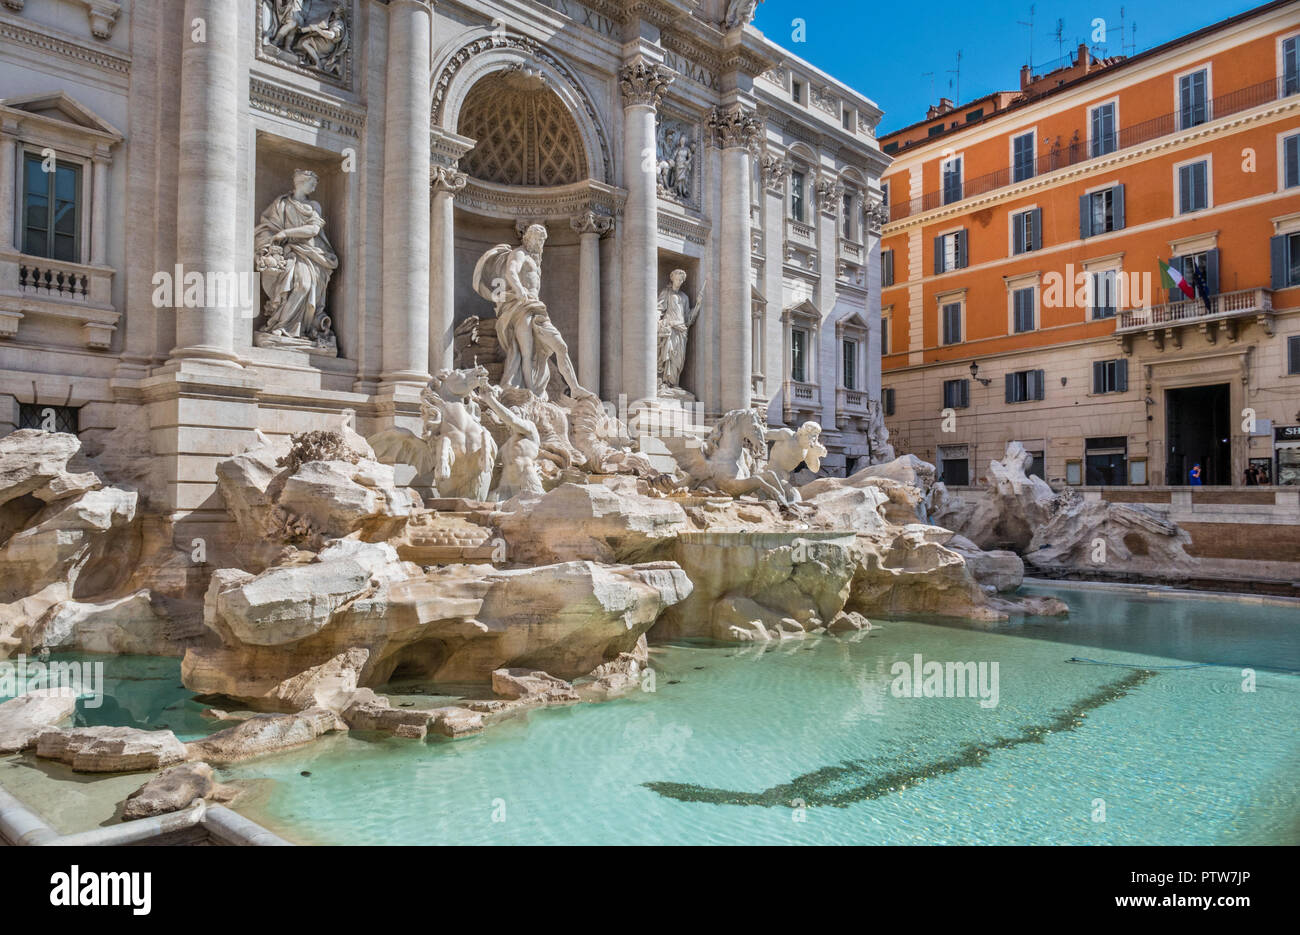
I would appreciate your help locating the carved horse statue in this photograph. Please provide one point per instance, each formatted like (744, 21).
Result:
(730, 459)
(456, 454)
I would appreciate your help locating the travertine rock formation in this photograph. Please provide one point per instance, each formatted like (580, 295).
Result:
(175, 788)
(1014, 507)
(24, 718)
(1109, 538)
(457, 622)
(110, 749)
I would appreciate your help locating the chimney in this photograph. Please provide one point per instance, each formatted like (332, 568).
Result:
(1083, 58)
(1026, 76)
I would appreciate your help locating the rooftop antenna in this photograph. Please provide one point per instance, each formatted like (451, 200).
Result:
(956, 96)
(1030, 24)
(1060, 38)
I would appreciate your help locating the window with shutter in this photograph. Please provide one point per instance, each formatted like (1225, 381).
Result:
(850, 365)
(951, 315)
(1193, 107)
(1291, 161)
(1103, 287)
(1022, 164)
(1022, 301)
(1293, 354)
(887, 400)
(1291, 65)
(1103, 139)
(1193, 187)
(886, 268)
(952, 180)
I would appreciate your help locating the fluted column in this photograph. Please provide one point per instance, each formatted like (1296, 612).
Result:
(735, 131)
(8, 209)
(590, 228)
(207, 190)
(407, 108)
(445, 182)
(642, 82)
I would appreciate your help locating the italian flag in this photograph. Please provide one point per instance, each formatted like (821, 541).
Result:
(1170, 278)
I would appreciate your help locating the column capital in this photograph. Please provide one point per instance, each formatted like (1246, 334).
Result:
(734, 126)
(774, 169)
(589, 222)
(644, 82)
(446, 179)
(829, 191)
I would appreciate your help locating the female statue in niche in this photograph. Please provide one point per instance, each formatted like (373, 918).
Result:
(296, 261)
(676, 315)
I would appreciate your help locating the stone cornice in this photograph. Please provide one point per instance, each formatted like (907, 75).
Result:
(550, 204)
(105, 59)
(304, 108)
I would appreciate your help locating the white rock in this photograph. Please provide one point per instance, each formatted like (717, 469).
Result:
(22, 719)
(110, 749)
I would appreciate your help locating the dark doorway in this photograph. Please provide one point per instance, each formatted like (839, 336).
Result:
(1198, 429)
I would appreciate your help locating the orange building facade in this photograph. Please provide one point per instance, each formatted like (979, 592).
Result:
(1021, 284)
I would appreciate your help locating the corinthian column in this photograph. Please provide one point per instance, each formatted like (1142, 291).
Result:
(207, 190)
(407, 108)
(735, 131)
(445, 182)
(590, 228)
(642, 82)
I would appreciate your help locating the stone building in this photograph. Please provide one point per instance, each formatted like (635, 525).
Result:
(1023, 296)
(169, 169)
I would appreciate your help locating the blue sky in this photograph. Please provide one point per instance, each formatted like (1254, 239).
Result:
(885, 49)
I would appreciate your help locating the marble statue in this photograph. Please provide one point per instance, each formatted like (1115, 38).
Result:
(878, 435)
(457, 452)
(295, 260)
(730, 459)
(789, 450)
(676, 315)
(518, 453)
(511, 278)
(675, 164)
(739, 13)
(316, 40)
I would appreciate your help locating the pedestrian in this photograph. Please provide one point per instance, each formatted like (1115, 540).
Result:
(1252, 476)
(1194, 475)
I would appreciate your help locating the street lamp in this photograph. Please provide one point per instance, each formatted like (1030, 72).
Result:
(975, 374)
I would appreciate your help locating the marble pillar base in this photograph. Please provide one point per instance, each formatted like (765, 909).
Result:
(287, 343)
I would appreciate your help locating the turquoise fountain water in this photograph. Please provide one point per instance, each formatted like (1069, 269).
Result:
(806, 743)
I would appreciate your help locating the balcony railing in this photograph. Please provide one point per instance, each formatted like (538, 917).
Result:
(803, 396)
(1063, 156)
(1226, 305)
(851, 403)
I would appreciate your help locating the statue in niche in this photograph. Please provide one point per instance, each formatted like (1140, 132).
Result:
(676, 159)
(295, 260)
(299, 29)
(511, 279)
(789, 450)
(739, 13)
(676, 315)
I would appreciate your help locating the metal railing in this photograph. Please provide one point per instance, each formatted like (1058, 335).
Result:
(1077, 151)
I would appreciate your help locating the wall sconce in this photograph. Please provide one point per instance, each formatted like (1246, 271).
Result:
(1062, 381)
(975, 374)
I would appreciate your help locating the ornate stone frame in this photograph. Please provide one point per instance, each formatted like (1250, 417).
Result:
(692, 124)
(282, 60)
(456, 71)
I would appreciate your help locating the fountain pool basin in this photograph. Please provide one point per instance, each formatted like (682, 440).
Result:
(813, 742)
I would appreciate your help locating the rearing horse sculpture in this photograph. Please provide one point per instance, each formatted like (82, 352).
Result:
(730, 458)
